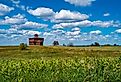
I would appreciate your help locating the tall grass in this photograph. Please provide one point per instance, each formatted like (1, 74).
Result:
(60, 64)
(61, 69)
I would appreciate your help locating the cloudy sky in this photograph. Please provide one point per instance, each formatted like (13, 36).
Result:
(77, 21)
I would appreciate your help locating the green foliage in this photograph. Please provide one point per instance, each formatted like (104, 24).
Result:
(22, 46)
(34, 52)
(107, 45)
(61, 69)
(95, 44)
(55, 43)
(60, 64)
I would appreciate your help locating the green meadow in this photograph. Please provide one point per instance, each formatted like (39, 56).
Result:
(60, 64)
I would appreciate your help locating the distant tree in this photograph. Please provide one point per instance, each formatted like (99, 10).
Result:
(70, 44)
(115, 44)
(92, 44)
(107, 45)
(64, 45)
(22, 46)
(55, 43)
(96, 44)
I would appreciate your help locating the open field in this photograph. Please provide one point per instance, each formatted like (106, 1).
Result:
(47, 64)
(48, 52)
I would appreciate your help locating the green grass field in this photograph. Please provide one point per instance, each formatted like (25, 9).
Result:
(60, 64)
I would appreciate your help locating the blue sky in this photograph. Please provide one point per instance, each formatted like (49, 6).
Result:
(78, 21)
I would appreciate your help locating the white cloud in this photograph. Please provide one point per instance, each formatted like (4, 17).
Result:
(118, 31)
(16, 19)
(4, 9)
(42, 12)
(68, 16)
(74, 33)
(47, 34)
(56, 26)
(76, 36)
(55, 33)
(10, 31)
(107, 36)
(57, 17)
(12, 39)
(87, 23)
(103, 23)
(76, 29)
(14, 33)
(30, 32)
(30, 25)
(2, 31)
(58, 31)
(80, 2)
(73, 24)
(22, 7)
(97, 32)
(15, 1)
(34, 25)
(106, 14)
(72, 39)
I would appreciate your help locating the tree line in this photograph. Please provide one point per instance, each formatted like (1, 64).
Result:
(23, 46)
(56, 43)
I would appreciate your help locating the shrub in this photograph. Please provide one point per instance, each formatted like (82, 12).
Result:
(107, 45)
(64, 45)
(55, 43)
(96, 44)
(115, 45)
(22, 46)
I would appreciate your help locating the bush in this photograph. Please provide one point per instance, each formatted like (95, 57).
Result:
(64, 45)
(107, 45)
(22, 46)
(55, 43)
(97, 44)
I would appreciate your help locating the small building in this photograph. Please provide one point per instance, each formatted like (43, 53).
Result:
(36, 40)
